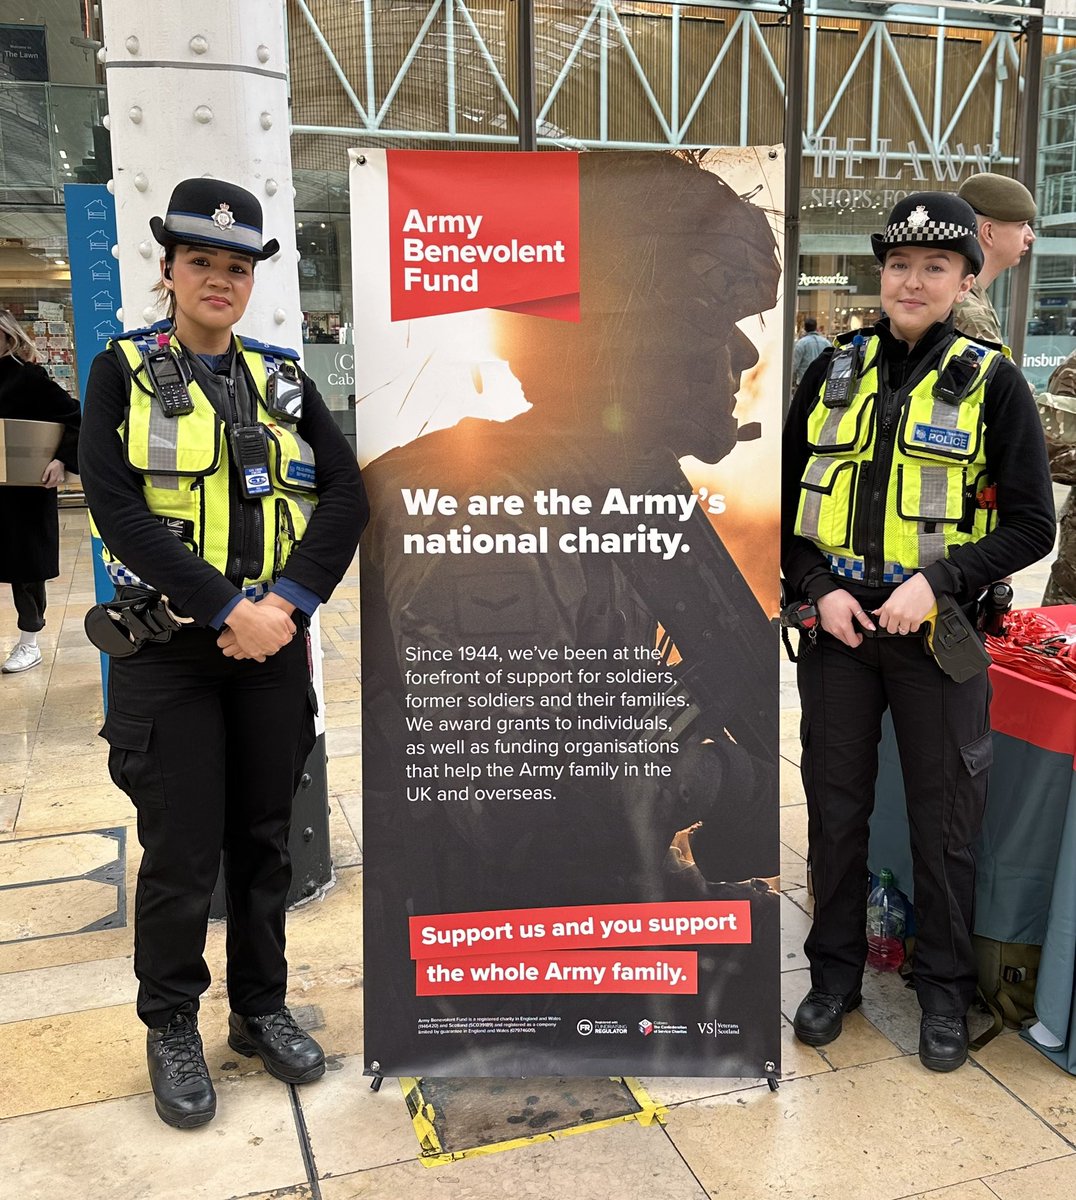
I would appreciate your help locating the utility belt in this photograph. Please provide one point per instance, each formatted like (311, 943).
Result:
(121, 626)
(879, 632)
(952, 634)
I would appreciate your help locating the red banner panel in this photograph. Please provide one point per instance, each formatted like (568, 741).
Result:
(672, 973)
(466, 234)
(447, 935)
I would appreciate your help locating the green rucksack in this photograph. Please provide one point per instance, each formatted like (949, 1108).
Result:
(1008, 972)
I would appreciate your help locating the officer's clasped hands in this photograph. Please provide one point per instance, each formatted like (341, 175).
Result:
(257, 630)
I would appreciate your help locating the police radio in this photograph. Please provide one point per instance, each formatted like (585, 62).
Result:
(841, 376)
(250, 453)
(284, 393)
(169, 386)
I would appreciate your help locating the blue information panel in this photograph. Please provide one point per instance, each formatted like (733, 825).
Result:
(95, 299)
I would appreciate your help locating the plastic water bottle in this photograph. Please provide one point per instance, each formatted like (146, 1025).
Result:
(885, 925)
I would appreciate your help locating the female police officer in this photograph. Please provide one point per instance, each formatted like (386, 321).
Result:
(914, 469)
(218, 479)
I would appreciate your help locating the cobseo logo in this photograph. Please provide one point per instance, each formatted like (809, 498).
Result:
(646, 1028)
(584, 1027)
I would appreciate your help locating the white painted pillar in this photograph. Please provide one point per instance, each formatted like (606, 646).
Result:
(201, 88)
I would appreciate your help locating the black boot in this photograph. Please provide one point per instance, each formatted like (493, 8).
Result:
(182, 1090)
(819, 1018)
(287, 1051)
(943, 1042)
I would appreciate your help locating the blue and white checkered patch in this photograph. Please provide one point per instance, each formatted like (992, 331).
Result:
(895, 573)
(122, 577)
(847, 568)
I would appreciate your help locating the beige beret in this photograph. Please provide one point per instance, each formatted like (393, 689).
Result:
(999, 197)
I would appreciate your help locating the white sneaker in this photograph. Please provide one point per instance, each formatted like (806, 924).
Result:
(22, 658)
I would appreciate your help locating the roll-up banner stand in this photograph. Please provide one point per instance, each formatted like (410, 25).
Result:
(568, 378)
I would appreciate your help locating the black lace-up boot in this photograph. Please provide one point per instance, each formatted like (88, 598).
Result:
(820, 1015)
(182, 1090)
(287, 1051)
(943, 1042)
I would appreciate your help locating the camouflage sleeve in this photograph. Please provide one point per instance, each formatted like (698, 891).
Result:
(1063, 380)
(1059, 421)
(976, 320)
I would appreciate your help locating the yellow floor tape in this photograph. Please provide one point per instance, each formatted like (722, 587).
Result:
(434, 1155)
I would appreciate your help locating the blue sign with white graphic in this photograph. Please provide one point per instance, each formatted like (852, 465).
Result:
(939, 438)
(95, 274)
(95, 299)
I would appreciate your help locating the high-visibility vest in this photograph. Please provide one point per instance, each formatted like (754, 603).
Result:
(187, 470)
(934, 493)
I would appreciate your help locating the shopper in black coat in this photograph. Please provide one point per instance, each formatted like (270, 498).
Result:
(29, 523)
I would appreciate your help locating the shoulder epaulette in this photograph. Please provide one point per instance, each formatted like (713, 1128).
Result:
(271, 351)
(145, 339)
(146, 331)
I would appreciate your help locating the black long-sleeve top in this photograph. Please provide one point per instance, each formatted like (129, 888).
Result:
(1015, 461)
(141, 543)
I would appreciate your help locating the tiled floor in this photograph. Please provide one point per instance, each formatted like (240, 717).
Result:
(860, 1119)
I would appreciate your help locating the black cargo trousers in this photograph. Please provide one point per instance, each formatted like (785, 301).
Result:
(943, 736)
(211, 750)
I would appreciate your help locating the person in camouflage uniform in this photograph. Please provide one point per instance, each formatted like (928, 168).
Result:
(1060, 427)
(1003, 208)
(976, 316)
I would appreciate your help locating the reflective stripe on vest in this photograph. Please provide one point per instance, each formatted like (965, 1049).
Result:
(938, 466)
(186, 469)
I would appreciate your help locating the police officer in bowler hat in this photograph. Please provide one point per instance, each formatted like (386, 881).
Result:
(913, 469)
(222, 488)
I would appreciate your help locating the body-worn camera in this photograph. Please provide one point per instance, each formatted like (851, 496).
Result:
(284, 393)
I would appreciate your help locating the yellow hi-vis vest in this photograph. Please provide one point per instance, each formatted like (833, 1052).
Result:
(882, 530)
(187, 471)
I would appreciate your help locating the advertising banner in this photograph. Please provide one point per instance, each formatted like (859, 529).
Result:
(567, 382)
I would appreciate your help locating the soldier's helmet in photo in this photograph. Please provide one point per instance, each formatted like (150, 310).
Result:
(671, 258)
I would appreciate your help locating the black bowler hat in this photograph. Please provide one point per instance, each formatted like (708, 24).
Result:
(211, 212)
(931, 219)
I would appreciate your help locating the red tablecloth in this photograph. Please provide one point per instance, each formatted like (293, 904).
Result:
(1032, 710)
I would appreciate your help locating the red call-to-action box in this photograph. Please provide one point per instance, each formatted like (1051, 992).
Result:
(692, 923)
(662, 973)
(470, 230)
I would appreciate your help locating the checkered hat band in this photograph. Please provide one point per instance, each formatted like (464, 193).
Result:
(931, 231)
(204, 229)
